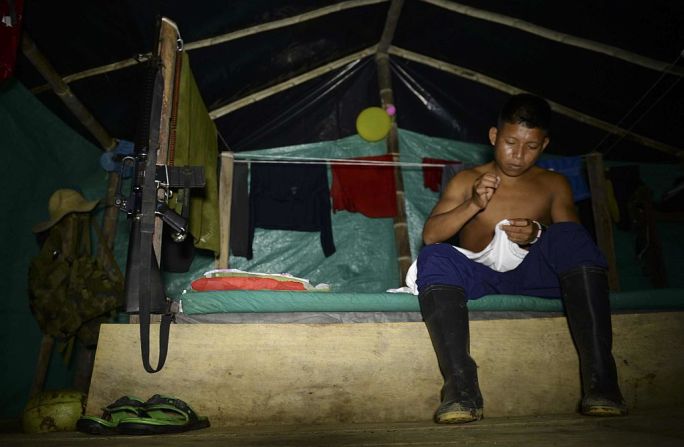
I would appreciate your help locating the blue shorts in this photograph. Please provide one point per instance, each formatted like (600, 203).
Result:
(561, 248)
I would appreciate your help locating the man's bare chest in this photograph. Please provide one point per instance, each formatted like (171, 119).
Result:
(531, 203)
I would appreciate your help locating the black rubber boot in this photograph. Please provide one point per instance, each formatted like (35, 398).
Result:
(445, 314)
(585, 294)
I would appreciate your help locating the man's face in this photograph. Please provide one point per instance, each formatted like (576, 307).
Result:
(516, 147)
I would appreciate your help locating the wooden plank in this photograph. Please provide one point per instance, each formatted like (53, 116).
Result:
(380, 372)
(168, 51)
(656, 428)
(225, 207)
(602, 220)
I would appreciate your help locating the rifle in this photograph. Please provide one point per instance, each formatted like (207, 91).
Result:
(152, 185)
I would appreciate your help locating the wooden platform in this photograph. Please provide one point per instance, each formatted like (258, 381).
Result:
(661, 428)
(380, 372)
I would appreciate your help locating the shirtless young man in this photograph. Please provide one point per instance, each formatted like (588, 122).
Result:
(562, 261)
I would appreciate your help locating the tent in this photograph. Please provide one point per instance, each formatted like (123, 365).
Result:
(286, 73)
(298, 72)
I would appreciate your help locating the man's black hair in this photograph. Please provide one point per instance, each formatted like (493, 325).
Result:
(529, 110)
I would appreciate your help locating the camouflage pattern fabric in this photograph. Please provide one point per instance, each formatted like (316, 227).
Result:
(70, 292)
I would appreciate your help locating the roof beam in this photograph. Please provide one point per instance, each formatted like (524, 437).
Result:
(108, 143)
(216, 40)
(557, 36)
(295, 20)
(293, 82)
(556, 107)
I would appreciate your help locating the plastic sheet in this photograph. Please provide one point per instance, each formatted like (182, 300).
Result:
(39, 155)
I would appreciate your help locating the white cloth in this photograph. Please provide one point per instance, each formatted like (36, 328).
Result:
(501, 255)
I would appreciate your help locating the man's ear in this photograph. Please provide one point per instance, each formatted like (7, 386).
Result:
(546, 143)
(492, 135)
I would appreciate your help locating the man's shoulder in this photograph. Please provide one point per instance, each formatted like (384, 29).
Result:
(549, 177)
(466, 177)
(478, 170)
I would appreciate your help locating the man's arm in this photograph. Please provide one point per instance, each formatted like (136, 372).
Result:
(562, 204)
(523, 231)
(462, 199)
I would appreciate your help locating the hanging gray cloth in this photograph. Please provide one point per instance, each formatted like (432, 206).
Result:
(291, 197)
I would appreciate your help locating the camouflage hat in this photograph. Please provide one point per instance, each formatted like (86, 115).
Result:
(63, 202)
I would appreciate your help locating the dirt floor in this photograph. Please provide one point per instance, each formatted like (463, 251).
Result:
(652, 428)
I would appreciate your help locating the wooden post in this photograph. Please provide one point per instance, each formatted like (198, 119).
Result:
(44, 355)
(645, 225)
(387, 98)
(225, 206)
(168, 53)
(63, 92)
(602, 219)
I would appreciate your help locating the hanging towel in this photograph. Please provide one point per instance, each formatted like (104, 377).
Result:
(432, 175)
(366, 189)
(197, 145)
(291, 197)
(239, 215)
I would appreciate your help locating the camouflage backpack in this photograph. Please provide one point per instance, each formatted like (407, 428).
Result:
(70, 292)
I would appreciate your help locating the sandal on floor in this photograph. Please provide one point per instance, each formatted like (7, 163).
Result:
(124, 407)
(163, 414)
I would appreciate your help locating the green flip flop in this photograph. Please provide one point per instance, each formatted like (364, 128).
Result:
(163, 414)
(124, 407)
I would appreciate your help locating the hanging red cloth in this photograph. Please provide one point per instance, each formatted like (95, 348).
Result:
(366, 189)
(11, 12)
(432, 175)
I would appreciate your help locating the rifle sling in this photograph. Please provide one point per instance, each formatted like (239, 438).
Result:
(143, 287)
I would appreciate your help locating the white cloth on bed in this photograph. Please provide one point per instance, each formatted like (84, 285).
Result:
(501, 254)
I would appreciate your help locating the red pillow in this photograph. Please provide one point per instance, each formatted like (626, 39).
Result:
(244, 283)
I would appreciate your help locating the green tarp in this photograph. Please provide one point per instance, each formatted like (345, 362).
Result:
(38, 155)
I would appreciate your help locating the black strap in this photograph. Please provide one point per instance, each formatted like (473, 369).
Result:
(164, 330)
(145, 287)
(148, 287)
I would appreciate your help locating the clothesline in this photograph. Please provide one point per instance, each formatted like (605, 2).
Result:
(279, 159)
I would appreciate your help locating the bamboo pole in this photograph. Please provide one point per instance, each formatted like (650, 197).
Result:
(387, 98)
(449, 5)
(223, 38)
(297, 80)
(557, 36)
(217, 40)
(63, 92)
(295, 20)
(556, 107)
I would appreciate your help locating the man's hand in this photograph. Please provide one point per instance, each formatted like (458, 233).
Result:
(484, 188)
(521, 231)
